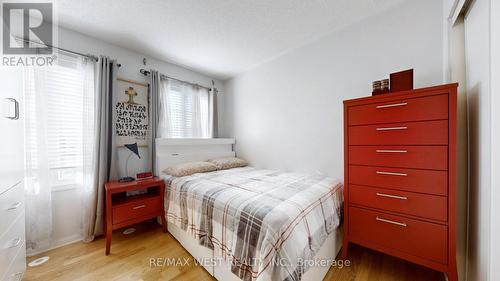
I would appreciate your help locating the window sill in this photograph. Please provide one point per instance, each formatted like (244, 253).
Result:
(65, 187)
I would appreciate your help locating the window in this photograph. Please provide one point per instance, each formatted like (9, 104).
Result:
(185, 111)
(59, 122)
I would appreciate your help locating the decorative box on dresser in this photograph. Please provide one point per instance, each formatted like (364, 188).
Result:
(400, 175)
(12, 214)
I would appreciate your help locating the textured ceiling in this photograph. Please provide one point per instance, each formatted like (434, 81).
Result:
(220, 38)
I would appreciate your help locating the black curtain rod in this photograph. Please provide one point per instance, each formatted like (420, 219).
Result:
(162, 76)
(95, 58)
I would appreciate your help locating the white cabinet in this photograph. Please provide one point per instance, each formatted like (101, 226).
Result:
(12, 215)
(11, 127)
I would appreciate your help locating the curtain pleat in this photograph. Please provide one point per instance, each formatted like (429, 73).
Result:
(38, 189)
(215, 114)
(154, 113)
(59, 146)
(104, 150)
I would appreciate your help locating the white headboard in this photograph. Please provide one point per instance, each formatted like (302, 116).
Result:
(171, 152)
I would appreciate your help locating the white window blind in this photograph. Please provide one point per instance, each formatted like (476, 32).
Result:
(185, 111)
(59, 119)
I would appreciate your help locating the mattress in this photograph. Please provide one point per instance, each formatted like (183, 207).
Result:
(265, 224)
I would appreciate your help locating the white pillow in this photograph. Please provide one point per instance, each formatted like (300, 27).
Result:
(228, 163)
(190, 168)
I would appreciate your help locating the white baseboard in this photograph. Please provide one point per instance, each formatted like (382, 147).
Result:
(57, 244)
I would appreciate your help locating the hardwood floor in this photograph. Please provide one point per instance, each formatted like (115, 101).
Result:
(130, 260)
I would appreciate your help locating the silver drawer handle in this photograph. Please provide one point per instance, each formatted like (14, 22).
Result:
(15, 206)
(138, 207)
(391, 174)
(391, 196)
(16, 109)
(16, 242)
(392, 128)
(390, 151)
(391, 222)
(392, 105)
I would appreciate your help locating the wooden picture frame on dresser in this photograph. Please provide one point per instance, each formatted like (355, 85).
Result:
(400, 175)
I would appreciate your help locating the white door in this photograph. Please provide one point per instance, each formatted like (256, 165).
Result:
(11, 127)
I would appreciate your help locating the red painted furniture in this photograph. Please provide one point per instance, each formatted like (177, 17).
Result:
(400, 175)
(122, 211)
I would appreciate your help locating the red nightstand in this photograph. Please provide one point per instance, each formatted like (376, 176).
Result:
(122, 210)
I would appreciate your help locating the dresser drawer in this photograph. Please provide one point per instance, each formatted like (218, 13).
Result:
(410, 203)
(413, 133)
(424, 181)
(400, 110)
(11, 205)
(17, 267)
(137, 209)
(417, 157)
(418, 238)
(10, 243)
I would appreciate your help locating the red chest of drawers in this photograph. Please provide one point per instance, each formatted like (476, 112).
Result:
(400, 175)
(122, 210)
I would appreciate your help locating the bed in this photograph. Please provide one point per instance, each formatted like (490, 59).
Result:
(247, 223)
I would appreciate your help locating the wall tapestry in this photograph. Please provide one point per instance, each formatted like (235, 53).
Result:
(131, 112)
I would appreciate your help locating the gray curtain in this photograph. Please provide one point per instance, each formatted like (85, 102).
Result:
(154, 111)
(104, 150)
(215, 114)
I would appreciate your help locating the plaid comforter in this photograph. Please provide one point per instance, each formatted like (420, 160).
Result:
(262, 222)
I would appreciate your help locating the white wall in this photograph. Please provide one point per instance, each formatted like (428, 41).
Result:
(495, 140)
(287, 113)
(477, 48)
(67, 218)
(457, 72)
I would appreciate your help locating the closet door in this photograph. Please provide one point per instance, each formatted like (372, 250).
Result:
(11, 127)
